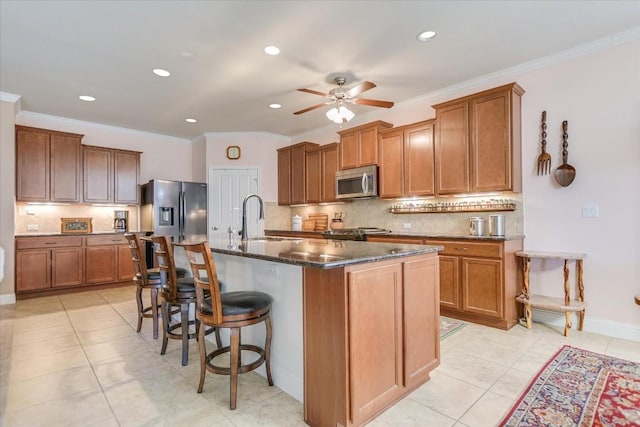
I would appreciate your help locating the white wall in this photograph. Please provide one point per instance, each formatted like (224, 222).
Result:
(597, 89)
(258, 149)
(7, 195)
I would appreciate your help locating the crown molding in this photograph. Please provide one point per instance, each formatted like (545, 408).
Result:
(92, 125)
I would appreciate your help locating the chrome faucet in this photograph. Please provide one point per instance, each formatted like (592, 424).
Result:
(245, 237)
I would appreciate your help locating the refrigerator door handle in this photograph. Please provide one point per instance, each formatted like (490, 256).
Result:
(181, 216)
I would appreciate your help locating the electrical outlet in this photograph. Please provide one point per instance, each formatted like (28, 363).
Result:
(406, 225)
(33, 227)
(590, 211)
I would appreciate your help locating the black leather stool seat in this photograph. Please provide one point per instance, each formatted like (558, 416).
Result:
(154, 274)
(182, 285)
(240, 302)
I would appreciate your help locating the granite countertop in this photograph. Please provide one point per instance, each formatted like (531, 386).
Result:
(424, 234)
(318, 253)
(466, 236)
(44, 234)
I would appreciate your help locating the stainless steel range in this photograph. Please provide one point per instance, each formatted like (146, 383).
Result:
(359, 233)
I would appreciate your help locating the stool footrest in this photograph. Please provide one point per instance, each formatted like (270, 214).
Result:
(216, 369)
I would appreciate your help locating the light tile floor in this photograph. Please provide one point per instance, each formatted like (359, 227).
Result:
(76, 360)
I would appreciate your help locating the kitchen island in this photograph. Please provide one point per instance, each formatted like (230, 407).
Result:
(355, 324)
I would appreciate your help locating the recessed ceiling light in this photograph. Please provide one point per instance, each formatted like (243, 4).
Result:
(426, 35)
(275, 106)
(160, 72)
(87, 98)
(272, 50)
(190, 120)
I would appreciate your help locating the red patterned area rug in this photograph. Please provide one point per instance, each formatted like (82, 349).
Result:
(448, 326)
(580, 388)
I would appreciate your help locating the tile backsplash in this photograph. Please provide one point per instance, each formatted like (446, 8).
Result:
(46, 218)
(375, 213)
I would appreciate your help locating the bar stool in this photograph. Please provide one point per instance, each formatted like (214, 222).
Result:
(231, 310)
(146, 278)
(179, 294)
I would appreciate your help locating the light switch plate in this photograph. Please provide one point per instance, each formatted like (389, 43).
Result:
(590, 211)
(406, 225)
(33, 227)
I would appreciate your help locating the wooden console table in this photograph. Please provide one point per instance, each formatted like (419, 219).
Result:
(565, 304)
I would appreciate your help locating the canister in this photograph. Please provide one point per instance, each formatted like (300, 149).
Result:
(296, 223)
(496, 225)
(476, 226)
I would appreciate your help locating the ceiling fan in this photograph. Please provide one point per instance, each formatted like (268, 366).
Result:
(341, 95)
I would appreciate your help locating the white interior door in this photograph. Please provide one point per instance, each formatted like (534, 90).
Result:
(227, 189)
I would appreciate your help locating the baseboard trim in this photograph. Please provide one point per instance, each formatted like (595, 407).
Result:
(598, 326)
(7, 299)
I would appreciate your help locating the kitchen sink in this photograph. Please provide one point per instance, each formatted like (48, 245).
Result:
(274, 239)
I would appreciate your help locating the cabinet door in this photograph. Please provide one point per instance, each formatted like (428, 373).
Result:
(392, 164)
(67, 267)
(33, 270)
(482, 286)
(98, 175)
(349, 150)
(100, 264)
(450, 282)
(126, 177)
(421, 313)
(313, 176)
(329, 169)
(126, 270)
(298, 175)
(491, 152)
(452, 149)
(65, 168)
(368, 147)
(419, 176)
(32, 166)
(284, 177)
(375, 339)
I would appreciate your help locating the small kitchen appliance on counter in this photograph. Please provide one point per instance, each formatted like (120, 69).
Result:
(121, 221)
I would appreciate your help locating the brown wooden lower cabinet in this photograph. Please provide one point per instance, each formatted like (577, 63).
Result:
(478, 278)
(371, 336)
(47, 264)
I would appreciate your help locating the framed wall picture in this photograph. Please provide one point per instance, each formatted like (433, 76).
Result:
(76, 225)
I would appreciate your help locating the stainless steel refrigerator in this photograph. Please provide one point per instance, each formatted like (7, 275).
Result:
(174, 208)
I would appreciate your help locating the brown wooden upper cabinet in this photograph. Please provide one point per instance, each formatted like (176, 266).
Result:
(110, 175)
(321, 167)
(478, 142)
(48, 165)
(407, 160)
(292, 173)
(359, 145)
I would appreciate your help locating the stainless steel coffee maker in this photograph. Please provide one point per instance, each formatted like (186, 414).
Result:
(121, 221)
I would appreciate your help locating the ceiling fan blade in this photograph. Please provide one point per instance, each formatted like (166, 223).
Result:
(373, 102)
(313, 92)
(357, 90)
(313, 107)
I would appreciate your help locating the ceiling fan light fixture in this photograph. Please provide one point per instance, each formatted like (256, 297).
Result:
(340, 114)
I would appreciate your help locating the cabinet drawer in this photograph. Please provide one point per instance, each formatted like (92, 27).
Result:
(465, 248)
(47, 242)
(106, 240)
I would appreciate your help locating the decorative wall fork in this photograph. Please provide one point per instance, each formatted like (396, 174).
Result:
(544, 159)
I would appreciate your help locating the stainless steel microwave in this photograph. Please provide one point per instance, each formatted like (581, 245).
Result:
(357, 182)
